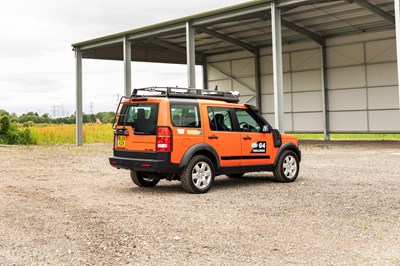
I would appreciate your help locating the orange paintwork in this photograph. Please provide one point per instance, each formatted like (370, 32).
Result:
(227, 144)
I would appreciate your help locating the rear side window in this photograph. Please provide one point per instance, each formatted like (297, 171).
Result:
(141, 117)
(185, 115)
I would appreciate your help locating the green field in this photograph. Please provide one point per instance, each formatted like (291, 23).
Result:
(103, 133)
(65, 134)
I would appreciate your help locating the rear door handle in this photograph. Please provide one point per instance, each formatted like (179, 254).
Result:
(247, 138)
(213, 137)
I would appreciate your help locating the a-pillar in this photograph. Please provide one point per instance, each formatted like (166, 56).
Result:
(190, 56)
(79, 102)
(277, 66)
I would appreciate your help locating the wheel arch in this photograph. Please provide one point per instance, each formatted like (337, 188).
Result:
(287, 146)
(201, 149)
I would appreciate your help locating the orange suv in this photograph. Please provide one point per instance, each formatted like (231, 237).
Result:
(194, 135)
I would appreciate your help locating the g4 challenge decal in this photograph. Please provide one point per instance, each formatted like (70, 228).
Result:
(259, 147)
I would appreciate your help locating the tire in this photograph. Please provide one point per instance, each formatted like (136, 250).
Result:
(198, 175)
(142, 181)
(239, 175)
(288, 167)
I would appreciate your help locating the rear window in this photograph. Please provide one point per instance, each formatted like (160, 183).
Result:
(141, 117)
(185, 115)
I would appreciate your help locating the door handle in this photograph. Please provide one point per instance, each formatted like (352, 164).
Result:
(247, 138)
(213, 137)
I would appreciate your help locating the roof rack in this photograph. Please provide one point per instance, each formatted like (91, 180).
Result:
(175, 92)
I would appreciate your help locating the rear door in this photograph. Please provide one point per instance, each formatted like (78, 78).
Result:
(219, 133)
(256, 147)
(139, 121)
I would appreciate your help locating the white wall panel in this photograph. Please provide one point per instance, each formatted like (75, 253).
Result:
(308, 122)
(307, 101)
(306, 81)
(345, 55)
(383, 98)
(305, 60)
(243, 67)
(214, 70)
(225, 84)
(266, 65)
(351, 99)
(288, 122)
(384, 120)
(267, 84)
(381, 51)
(245, 86)
(267, 103)
(382, 74)
(348, 121)
(346, 77)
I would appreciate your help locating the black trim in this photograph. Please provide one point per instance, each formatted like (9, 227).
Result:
(246, 157)
(245, 169)
(287, 146)
(199, 148)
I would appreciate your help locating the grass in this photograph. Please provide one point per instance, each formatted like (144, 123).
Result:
(65, 134)
(350, 136)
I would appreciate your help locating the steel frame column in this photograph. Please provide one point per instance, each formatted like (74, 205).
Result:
(79, 101)
(127, 67)
(257, 76)
(277, 66)
(205, 74)
(190, 55)
(397, 16)
(325, 92)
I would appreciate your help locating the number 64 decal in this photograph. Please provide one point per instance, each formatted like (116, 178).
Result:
(259, 147)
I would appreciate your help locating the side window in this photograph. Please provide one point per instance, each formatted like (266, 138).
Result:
(185, 115)
(220, 118)
(246, 122)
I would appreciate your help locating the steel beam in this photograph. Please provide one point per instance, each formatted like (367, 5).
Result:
(226, 38)
(277, 66)
(397, 15)
(313, 36)
(127, 67)
(325, 92)
(190, 55)
(257, 76)
(174, 47)
(374, 9)
(79, 101)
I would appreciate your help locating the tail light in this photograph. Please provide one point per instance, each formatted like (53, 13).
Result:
(164, 139)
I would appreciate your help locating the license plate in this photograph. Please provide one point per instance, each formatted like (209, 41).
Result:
(121, 142)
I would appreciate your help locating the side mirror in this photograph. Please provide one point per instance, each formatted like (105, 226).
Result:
(277, 138)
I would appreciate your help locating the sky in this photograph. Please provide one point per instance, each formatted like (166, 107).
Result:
(37, 64)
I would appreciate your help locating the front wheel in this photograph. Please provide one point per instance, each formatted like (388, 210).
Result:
(141, 180)
(288, 167)
(198, 175)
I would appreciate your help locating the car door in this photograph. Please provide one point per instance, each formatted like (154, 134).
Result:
(257, 147)
(220, 134)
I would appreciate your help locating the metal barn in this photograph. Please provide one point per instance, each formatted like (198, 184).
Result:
(310, 65)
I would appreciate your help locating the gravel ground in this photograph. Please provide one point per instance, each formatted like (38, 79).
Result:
(64, 205)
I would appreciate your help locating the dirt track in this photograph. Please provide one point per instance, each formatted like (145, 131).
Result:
(66, 205)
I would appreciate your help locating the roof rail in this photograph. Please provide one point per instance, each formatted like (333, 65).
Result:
(175, 92)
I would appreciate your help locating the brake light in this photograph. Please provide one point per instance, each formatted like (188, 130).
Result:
(164, 139)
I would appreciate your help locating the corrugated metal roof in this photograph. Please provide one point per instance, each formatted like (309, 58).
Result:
(248, 23)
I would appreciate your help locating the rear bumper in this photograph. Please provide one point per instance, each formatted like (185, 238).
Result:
(138, 161)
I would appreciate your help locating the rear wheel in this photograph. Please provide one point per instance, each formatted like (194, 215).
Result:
(141, 180)
(240, 175)
(288, 167)
(198, 175)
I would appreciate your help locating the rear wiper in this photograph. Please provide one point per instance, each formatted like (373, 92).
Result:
(142, 133)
